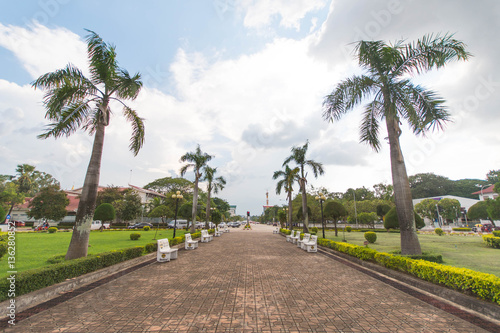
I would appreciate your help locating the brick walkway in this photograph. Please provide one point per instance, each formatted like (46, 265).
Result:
(245, 281)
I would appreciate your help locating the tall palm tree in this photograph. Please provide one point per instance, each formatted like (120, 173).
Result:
(215, 184)
(299, 156)
(74, 101)
(395, 98)
(196, 160)
(288, 177)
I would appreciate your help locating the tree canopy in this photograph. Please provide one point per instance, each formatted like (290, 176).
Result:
(50, 203)
(170, 184)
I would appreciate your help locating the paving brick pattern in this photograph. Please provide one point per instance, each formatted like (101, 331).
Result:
(245, 281)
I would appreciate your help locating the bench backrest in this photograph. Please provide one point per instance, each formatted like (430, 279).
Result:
(293, 233)
(314, 239)
(187, 237)
(204, 233)
(163, 244)
(306, 237)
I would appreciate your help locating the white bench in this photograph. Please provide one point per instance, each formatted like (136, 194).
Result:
(276, 231)
(226, 229)
(217, 232)
(165, 252)
(189, 243)
(289, 237)
(305, 239)
(206, 237)
(312, 245)
(296, 238)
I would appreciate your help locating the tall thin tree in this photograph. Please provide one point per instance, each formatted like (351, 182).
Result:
(196, 160)
(287, 178)
(387, 83)
(299, 157)
(215, 184)
(74, 101)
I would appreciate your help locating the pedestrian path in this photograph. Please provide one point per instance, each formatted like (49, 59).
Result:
(245, 281)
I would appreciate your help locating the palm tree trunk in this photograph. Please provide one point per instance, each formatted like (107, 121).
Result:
(402, 194)
(195, 203)
(208, 208)
(80, 239)
(305, 213)
(290, 211)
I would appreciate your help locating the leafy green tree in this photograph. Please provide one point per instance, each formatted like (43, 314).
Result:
(493, 176)
(367, 218)
(161, 211)
(450, 209)
(425, 185)
(387, 82)
(334, 210)
(30, 181)
(427, 208)
(196, 160)
(50, 203)
(3, 214)
(478, 211)
(382, 209)
(11, 196)
(105, 212)
(359, 194)
(214, 184)
(221, 204)
(109, 194)
(391, 220)
(384, 191)
(465, 187)
(493, 209)
(129, 207)
(299, 157)
(282, 218)
(288, 178)
(170, 184)
(74, 101)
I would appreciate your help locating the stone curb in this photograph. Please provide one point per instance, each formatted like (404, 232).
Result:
(37, 297)
(483, 307)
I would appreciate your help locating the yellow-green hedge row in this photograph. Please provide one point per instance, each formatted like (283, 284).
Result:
(492, 241)
(485, 286)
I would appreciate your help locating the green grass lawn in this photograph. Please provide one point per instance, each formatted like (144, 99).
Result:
(33, 249)
(458, 251)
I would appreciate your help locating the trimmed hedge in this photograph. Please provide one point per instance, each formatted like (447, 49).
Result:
(52, 230)
(285, 231)
(492, 241)
(461, 229)
(483, 285)
(496, 233)
(38, 278)
(370, 236)
(439, 231)
(135, 236)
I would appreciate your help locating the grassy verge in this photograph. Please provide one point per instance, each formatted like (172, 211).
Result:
(33, 249)
(458, 251)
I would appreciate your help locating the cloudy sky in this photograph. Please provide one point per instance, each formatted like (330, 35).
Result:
(245, 79)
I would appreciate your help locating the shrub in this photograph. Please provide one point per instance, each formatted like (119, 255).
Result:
(56, 259)
(135, 236)
(314, 229)
(285, 231)
(146, 228)
(424, 256)
(105, 212)
(492, 241)
(151, 247)
(439, 231)
(52, 230)
(496, 233)
(391, 220)
(461, 229)
(3, 249)
(348, 229)
(38, 278)
(370, 236)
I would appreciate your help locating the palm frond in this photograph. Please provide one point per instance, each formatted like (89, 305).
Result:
(70, 119)
(138, 131)
(185, 168)
(102, 57)
(346, 95)
(317, 167)
(428, 52)
(369, 131)
(127, 87)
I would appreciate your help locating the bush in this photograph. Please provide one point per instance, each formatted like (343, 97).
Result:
(151, 247)
(135, 236)
(439, 231)
(52, 230)
(285, 231)
(348, 229)
(370, 236)
(314, 229)
(56, 259)
(146, 228)
(483, 285)
(391, 220)
(496, 233)
(3, 248)
(105, 212)
(38, 278)
(424, 256)
(492, 241)
(461, 229)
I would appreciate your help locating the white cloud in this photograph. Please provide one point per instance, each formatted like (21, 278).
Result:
(260, 13)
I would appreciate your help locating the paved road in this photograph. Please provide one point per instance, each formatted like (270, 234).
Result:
(245, 281)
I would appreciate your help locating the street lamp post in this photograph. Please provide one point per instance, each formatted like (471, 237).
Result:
(355, 210)
(321, 198)
(482, 187)
(176, 196)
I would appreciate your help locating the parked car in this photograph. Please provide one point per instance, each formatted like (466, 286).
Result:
(97, 224)
(19, 223)
(234, 224)
(222, 225)
(180, 224)
(140, 225)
